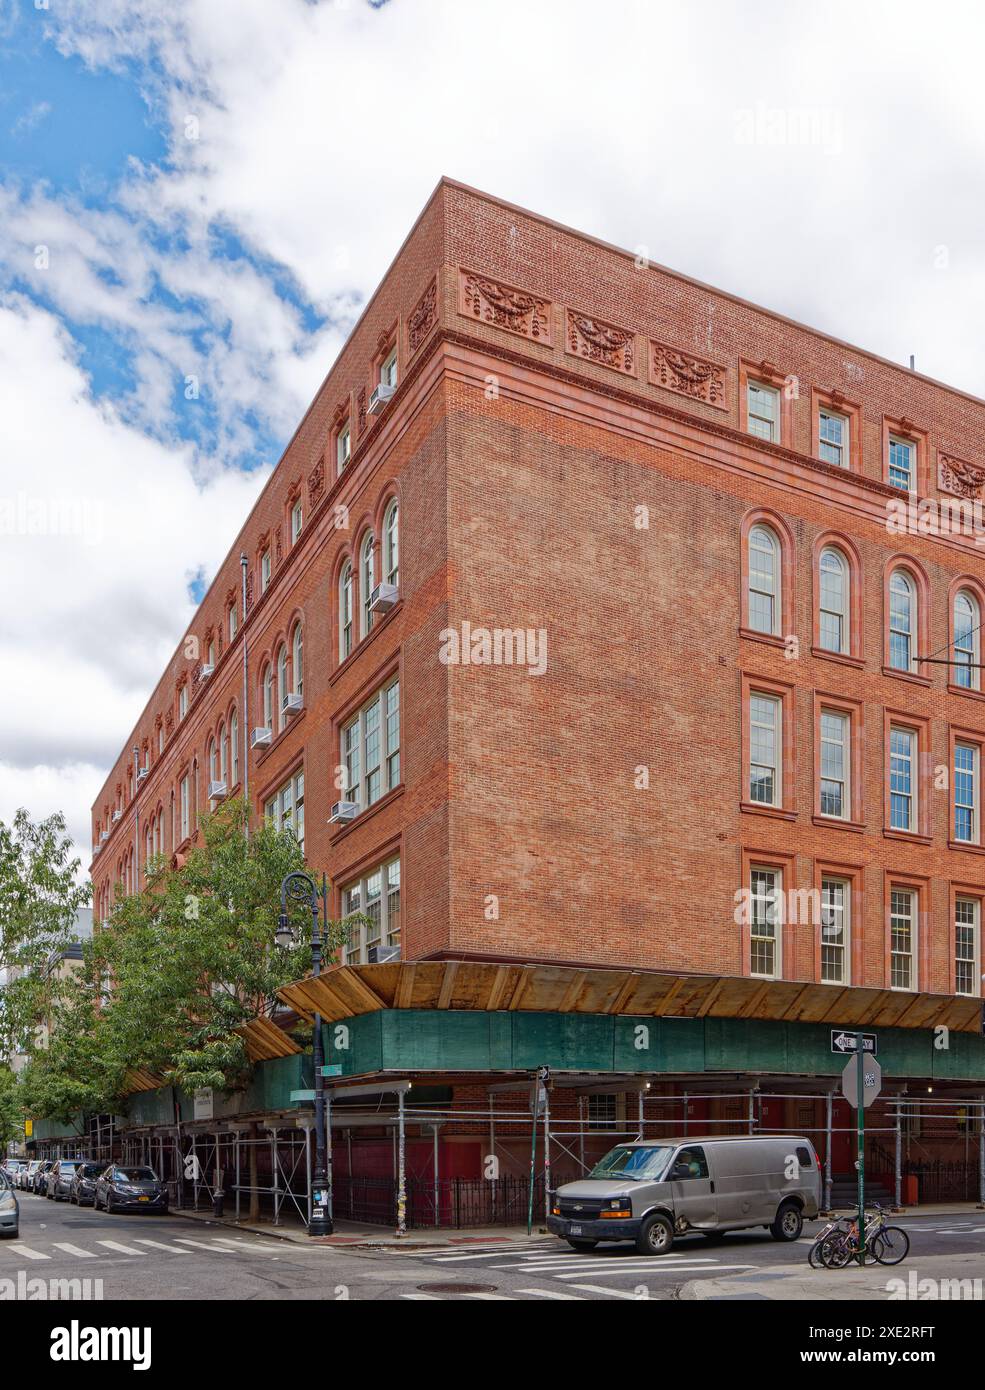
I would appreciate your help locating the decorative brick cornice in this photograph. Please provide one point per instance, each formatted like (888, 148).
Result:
(597, 341)
(690, 376)
(505, 306)
(361, 411)
(959, 478)
(316, 481)
(423, 317)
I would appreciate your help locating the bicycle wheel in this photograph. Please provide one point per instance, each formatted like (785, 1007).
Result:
(890, 1245)
(836, 1252)
(814, 1255)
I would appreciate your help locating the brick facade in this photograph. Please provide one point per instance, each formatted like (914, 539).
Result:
(554, 393)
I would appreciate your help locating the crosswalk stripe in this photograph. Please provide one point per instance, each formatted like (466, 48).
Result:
(431, 1297)
(637, 1269)
(484, 1254)
(551, 1293)
(202, 1245)
(491, 1297)
(123, 1249)
(599, 1288)
(18, 1249)
(587, 1263)
(247, 1247)
(75, 1250)
(159, 1245)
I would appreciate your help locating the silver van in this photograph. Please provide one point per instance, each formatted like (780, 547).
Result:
(650, 1191)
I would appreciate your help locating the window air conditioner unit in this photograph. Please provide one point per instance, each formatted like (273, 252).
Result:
(343, 811)
(205, 671)
(293, 704)
(379, 398)
(260, 738)
(117, 815)
(376, 955)
(217, 791)
(141, 775)
(383, 598)
(104, 837)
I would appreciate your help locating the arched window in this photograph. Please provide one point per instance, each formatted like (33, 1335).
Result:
(833, 618)
(234, 747)
(223, 753)
(967, 624)
(764, 581)
(297, 659)
(213, 763)
(345, 611)
(268, 697)
(902, 621)
(282, 687)
(391, 544)
(366, 582)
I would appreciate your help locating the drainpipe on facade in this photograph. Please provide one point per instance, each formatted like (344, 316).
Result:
(136, 823)
(246, 699)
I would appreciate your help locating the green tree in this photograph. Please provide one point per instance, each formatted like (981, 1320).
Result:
(11, 1114)
(40, 895)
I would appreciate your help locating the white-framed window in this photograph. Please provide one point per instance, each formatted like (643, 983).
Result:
(377, 896)
(185, 804)
(967, 938)
(297, 520)
(232, 621)
(833, 619)
(601, 1110)
(366, 581)
(183, 702)
(764, 581)
(966, 798)
(967, 645)
(160, 739)
(836, 899)
(391, 544)
(343, 447)
(234, 746)
(833, 434)
(283, 687)
(902, 620)
(210, 654)
(223, 754)
(763, 411)
(765, 943)
(765, 744)
(268, 697)
(371, 747)
(345, 611)
(264, 571)
(297, 659)
(902, 463)
(902, 778)
(285, 809)
(388, 370)
(213, 763)
(903, 938)
(836, 762)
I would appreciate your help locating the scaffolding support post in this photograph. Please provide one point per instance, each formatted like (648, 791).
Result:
(981, 1153)
(828, 1109)
(401, 1169)
(547, 1153)
(639, 1109)
(898, 1156)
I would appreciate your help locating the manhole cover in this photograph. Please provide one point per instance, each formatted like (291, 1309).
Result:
(457, 1288)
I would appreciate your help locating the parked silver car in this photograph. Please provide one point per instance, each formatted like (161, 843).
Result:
(9, 1209)
(25, 1178)
(58, 1183)
(653, 1191)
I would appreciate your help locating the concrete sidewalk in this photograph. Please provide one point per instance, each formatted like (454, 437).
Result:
(351, 1234)
(934, 1277)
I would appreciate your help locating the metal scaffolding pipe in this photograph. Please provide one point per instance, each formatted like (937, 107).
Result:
(827, 1153)
(401, 1169)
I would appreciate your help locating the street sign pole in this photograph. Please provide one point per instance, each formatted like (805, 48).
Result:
(860, 1134)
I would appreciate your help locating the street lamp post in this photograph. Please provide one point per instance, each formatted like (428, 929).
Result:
(301, 888)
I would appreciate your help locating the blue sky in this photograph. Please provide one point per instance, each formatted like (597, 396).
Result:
(207, 191)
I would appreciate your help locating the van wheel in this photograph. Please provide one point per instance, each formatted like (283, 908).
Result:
(656, 1236)
(581, 1244)
(789, 1222)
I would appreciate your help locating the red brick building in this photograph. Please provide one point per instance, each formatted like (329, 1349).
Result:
(656, 681)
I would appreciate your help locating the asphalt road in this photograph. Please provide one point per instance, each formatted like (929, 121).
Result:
(171, 1257)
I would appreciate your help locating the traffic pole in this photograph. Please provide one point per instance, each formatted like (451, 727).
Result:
(860, 1136)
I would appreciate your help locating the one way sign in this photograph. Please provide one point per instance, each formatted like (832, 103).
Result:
(843, 1041)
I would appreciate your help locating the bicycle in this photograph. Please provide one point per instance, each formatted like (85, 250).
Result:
(885, 1244)
(816, 1254)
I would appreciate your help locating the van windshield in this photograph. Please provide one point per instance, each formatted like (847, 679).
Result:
(638, 1163)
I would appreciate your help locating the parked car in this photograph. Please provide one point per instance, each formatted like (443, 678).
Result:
(9, 1210)
(122, 1188)
(40, 1180)
(25, 1178)
(12, 1168)
(651, 1191)
(59, 1180)
(82, 1189)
